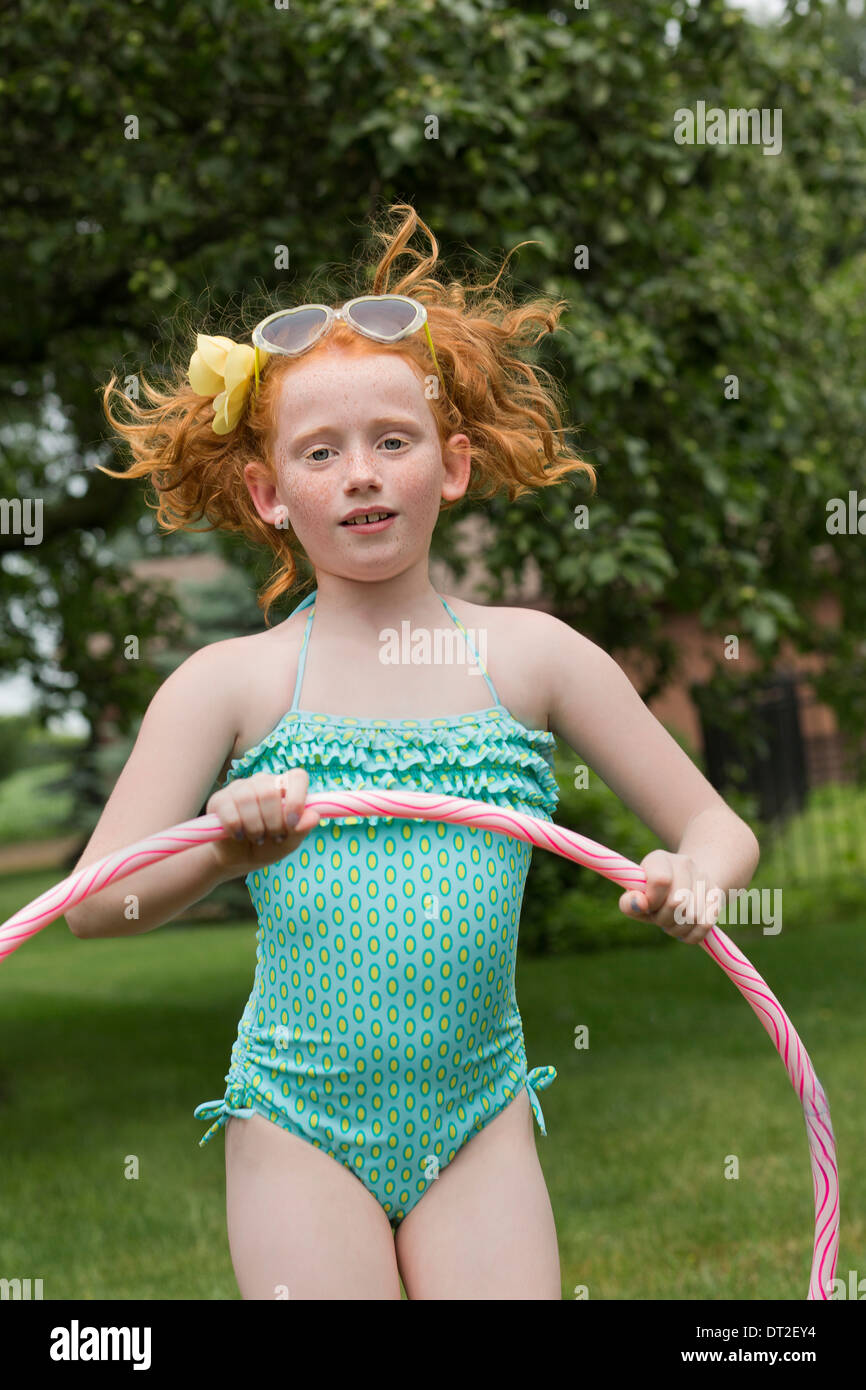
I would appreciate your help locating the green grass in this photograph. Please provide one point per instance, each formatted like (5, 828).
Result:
(106, 1047)
(30, 812)
(826, 840)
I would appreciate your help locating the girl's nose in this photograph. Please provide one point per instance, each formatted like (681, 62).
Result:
(362, 466)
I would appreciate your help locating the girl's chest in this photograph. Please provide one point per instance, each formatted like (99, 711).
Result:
(404, 681)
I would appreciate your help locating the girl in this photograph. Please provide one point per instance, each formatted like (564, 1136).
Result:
(382, 1029)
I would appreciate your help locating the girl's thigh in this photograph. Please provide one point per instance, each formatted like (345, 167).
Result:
(485, 1228)
(300, 1225)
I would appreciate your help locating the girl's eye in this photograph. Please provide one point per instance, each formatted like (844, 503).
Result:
(392, 439)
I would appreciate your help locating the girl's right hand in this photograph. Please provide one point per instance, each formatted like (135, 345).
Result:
(259, 812)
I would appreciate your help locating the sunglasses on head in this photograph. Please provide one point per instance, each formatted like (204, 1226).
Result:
(384, 317)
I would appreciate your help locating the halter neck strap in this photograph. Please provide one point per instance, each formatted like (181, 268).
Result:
(310, 601)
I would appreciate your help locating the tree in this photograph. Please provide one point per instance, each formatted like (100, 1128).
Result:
(156, 154)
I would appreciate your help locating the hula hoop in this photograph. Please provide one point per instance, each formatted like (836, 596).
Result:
(83, 883)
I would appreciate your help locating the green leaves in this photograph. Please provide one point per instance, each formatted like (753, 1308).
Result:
(601, 568)
(261, 126)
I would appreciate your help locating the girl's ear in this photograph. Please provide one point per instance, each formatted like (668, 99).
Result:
(263, 492)
(457, 462)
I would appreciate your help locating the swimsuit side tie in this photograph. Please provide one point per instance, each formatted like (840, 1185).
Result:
(537, 1080)
(220, 1110)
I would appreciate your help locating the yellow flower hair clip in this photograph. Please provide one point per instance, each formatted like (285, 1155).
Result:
(224, 370)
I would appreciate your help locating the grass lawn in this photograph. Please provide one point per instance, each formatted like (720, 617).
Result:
(106, 1047)
(28, 811)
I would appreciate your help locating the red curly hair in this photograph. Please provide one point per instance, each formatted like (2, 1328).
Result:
(491, 395)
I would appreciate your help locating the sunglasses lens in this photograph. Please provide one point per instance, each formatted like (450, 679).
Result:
(294, 330)
(384, 317)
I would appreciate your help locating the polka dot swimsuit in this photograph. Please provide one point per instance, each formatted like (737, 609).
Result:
(382, 1025)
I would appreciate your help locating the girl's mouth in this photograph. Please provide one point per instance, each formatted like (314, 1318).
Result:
(361, 523)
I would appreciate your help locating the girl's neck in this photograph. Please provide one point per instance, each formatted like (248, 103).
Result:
(376, 604)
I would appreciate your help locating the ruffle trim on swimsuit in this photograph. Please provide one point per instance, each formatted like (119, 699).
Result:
(537, 1080)
(484, 756)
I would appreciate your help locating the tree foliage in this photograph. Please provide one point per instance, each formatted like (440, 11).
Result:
(260, 127)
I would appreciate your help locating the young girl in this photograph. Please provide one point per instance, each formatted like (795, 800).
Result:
(382, 1030)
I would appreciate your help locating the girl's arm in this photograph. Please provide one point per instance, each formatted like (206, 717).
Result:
(185, 736)
(595, 708)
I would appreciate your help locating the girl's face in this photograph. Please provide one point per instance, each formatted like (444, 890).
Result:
(356, 432)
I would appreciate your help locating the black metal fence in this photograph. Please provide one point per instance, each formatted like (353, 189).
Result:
(774, 741)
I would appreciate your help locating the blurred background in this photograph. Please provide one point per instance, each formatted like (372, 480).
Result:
(162, 155)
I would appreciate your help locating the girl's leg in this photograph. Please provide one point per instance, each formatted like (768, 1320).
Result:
(485, 1227)
(300, 1225)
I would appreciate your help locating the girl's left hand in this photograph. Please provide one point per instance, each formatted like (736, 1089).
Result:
(673, 887)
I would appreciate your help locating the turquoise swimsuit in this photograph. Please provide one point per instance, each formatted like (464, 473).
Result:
(382, 1024)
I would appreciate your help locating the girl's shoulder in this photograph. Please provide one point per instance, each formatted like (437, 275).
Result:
(231, 650)
(527, 623)
(256, 674)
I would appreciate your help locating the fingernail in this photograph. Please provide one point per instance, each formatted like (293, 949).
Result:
(239, 834)
(292, 818)
(260, 840)
(634, 906)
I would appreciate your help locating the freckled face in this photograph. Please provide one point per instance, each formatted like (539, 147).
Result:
(357, 432)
